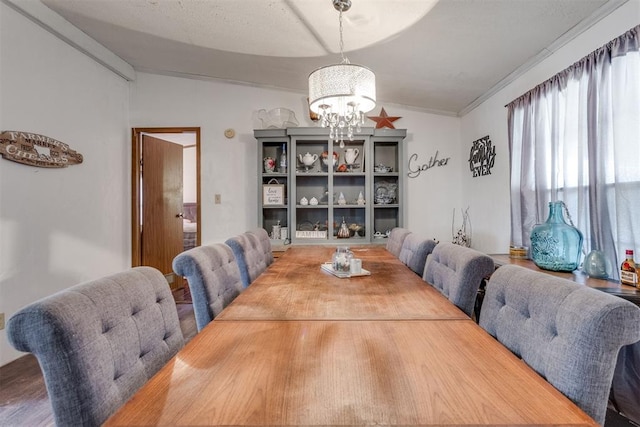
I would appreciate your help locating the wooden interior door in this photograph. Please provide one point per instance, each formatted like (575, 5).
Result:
(162, 230)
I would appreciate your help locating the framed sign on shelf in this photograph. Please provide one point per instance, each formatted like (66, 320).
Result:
(273, 194)
(311, 234)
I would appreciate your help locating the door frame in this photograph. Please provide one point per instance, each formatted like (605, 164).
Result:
(136, 175)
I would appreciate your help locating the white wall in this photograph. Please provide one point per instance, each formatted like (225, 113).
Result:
(229, 166)
(435, 192)
(489, 196)
(59, 227)
(189, 175)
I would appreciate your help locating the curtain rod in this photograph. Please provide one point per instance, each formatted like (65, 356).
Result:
(632, 33)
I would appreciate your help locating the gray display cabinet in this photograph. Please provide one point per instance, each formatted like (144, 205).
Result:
(388, 210)
(376, 173)
(270, 211)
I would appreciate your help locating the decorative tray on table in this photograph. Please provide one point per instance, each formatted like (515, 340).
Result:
(328, 267)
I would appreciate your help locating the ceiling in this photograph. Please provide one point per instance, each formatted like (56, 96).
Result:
(437, 56)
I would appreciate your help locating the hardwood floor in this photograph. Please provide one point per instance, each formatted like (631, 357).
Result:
(23, 395)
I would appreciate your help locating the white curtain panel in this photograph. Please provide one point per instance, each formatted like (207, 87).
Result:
(576, 138)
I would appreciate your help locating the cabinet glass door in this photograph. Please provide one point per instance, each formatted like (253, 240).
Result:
(311, 190)
(388, 184)
(273, 197)
(350, 190)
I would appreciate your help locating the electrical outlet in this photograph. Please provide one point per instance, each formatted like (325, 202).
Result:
(218, 199)
(1, 321)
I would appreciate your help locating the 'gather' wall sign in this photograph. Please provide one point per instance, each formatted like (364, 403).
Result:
(37, 150)
(415, 168)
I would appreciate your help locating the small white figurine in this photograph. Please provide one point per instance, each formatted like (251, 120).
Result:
(360, 200)
(313, 201)
(304, 201)
(341, 199)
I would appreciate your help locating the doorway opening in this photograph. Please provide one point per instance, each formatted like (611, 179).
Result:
(165, 197)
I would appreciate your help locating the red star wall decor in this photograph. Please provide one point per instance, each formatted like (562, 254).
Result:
(384, 120)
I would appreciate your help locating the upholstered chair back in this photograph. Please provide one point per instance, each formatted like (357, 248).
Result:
(100, 341)
(265, 241)
(568, 333)
(396, 239)
(249, 255)
(415, 250)
(214, 279)
(457, 272)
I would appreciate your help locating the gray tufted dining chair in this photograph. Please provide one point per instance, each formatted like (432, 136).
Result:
(568, 333)
(249, 255)
(415, 250)
(265, 241)
(98, 342)
(214, 279)
(457, 272)
(396, 239)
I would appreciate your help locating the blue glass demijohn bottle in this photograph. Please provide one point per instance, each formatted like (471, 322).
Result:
(556, 245)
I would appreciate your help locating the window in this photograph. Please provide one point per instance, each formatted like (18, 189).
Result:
(576, 138)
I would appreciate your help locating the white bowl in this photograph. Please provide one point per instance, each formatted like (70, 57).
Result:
(279, 118)
(325, 160)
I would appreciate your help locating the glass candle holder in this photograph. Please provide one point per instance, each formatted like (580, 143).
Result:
(342, 259)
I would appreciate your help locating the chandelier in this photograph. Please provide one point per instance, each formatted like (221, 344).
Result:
(342, 93)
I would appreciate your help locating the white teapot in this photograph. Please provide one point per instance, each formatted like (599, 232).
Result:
(308, 159)
(350, 155)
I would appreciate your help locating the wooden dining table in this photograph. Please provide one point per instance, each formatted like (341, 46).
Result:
(295, 288)
(301, 347)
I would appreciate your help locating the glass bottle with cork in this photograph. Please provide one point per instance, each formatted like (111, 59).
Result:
(628, 272)
(283, 159)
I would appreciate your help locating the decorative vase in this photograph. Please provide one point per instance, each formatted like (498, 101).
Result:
(343, 231)
(556, 245)
(463, 236)
(596, 265)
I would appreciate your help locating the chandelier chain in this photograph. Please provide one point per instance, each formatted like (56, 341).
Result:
(344, 58)
(342, 93)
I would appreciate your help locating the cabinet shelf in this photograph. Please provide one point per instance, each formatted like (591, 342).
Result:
(348, 174)
(300, 174)
(369, 148)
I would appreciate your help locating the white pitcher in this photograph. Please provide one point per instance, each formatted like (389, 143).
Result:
(350, 155)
